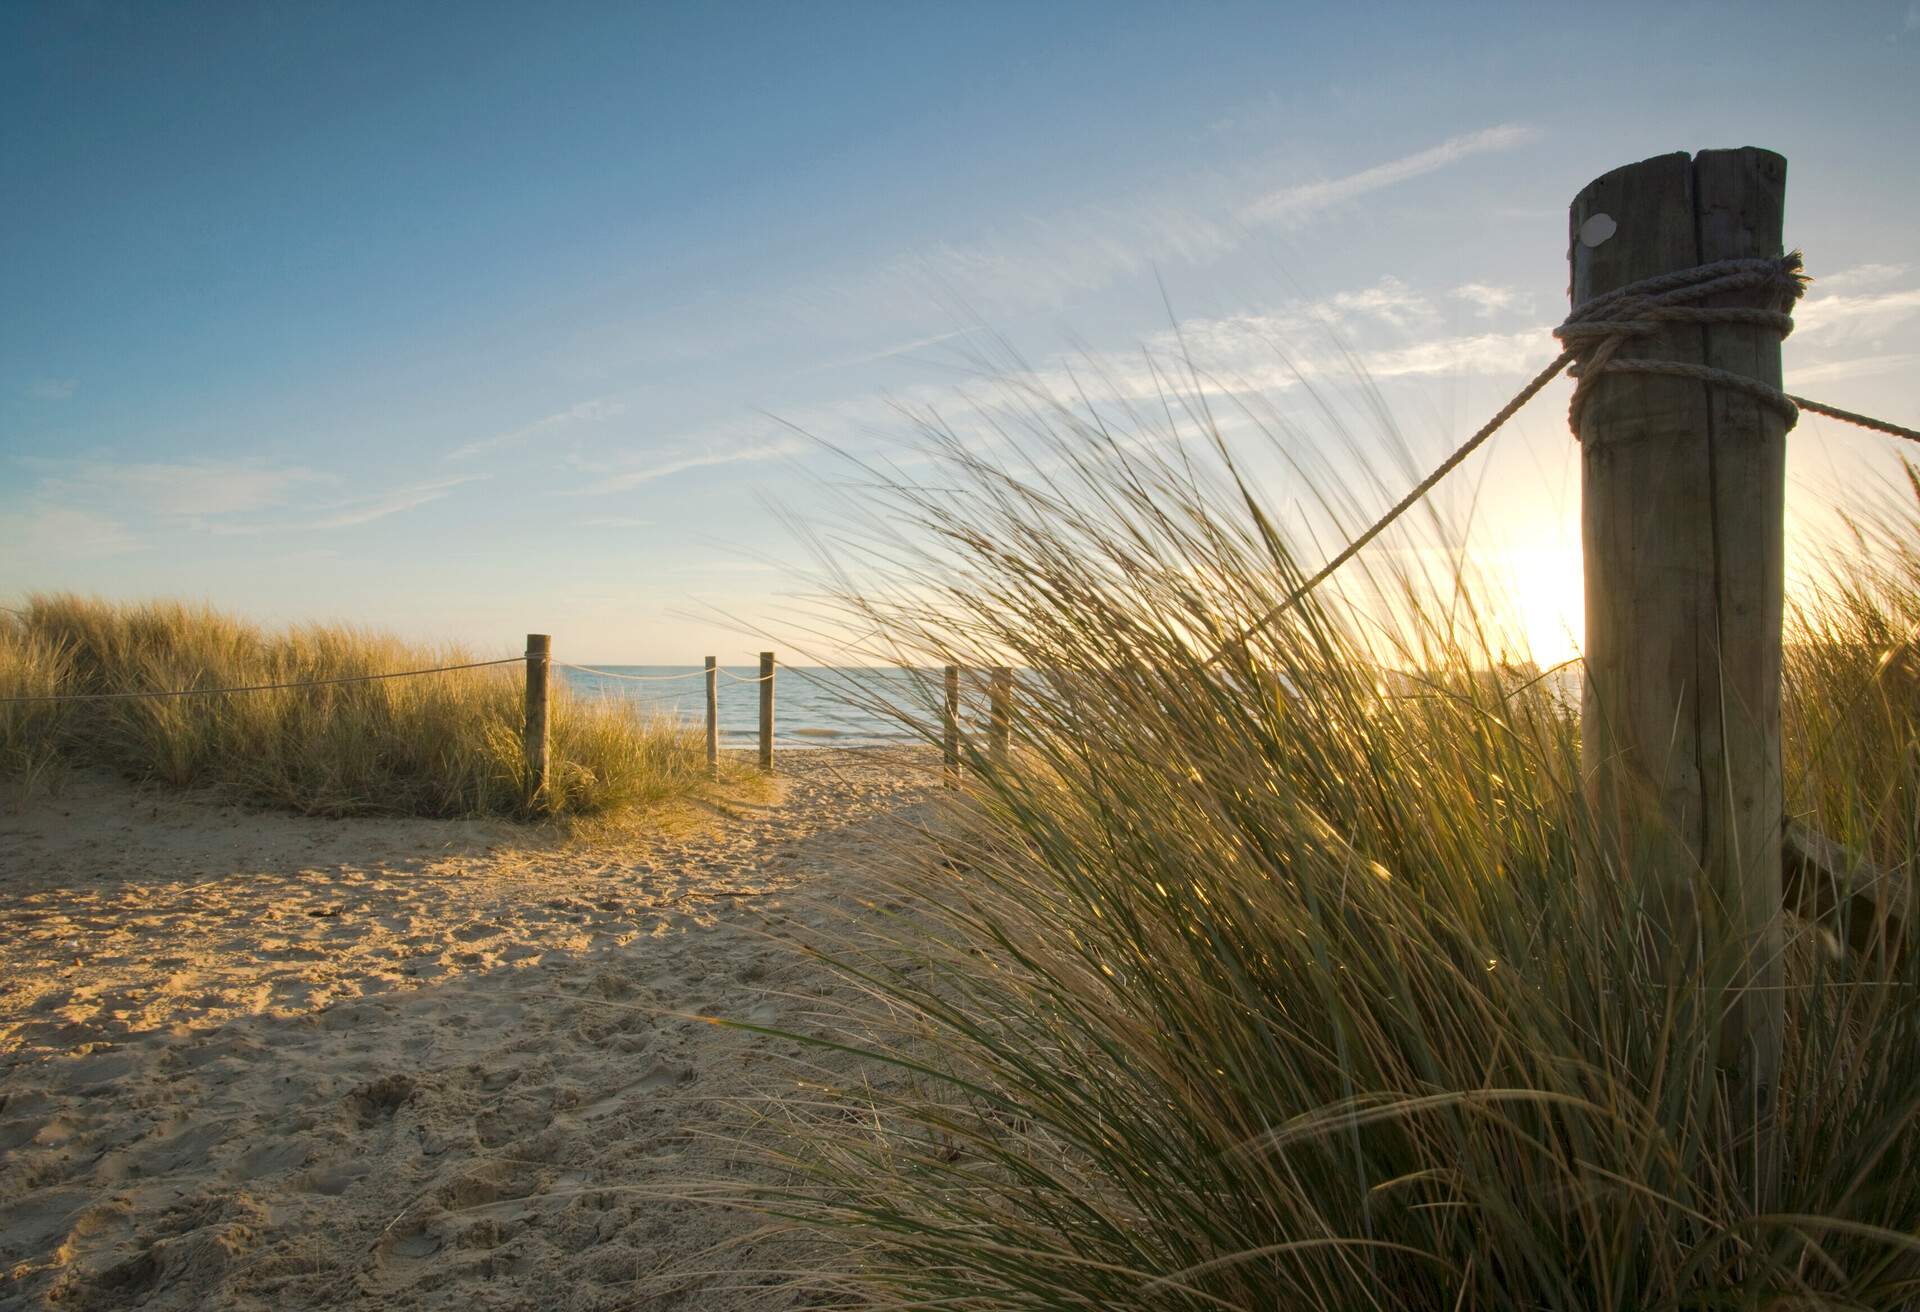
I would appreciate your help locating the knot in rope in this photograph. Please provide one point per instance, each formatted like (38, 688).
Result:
(1596, 330)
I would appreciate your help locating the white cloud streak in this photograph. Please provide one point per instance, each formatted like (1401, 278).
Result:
(623, 479)
(586, 412)
(63, 533)
(1486, 300)
(175, 490)
(1290, 206)
(1863, 366)
(1852, 317)
(1044, 261)
(1860, 275)
(355, 512)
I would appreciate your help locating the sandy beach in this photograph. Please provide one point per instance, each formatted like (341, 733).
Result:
(251, 1060)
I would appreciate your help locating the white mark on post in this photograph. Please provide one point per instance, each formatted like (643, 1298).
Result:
(1597, 229)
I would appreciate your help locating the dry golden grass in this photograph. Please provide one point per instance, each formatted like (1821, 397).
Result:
(1277, 982)
(437, 745)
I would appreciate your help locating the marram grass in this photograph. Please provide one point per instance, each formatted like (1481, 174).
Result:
(438, 745)
(1301, 979)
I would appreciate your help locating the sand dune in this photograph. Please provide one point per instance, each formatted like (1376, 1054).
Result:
(259, 1061)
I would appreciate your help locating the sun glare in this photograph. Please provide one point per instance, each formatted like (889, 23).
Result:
(1545, 601)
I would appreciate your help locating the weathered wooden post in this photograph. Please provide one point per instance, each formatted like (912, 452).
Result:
(535, 736)
(713, 715)
(999, 711)
(1682, 498)
(950, 727)
(766, 710)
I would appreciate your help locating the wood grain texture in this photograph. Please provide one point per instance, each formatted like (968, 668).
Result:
(535, 732)
(766, 710)
(713, 714)
(1682, 492)
(999, 711)
(950, 725)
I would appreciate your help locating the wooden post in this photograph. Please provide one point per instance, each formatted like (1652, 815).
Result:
(766, 710)
(713, 715)
(999, 712)
(539, 672)
(950, 726)
(1682, 501)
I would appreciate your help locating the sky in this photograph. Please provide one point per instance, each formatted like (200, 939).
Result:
(471, 320)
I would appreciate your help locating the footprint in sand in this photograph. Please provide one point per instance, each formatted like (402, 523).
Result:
(378, 1100)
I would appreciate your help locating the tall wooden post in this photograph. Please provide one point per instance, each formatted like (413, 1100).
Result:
(950, 727)
(999, 711)
(1682, 499)
(713, 715)
(766, 710)
(539, 672)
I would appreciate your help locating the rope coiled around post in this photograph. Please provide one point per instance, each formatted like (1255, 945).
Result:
(1596, 330)
(1591, 337)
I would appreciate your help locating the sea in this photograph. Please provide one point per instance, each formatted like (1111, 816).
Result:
(813, 706)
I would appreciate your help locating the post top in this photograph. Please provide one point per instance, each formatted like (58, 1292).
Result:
(1655, 166)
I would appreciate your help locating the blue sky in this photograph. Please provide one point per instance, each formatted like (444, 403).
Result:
(468, 320)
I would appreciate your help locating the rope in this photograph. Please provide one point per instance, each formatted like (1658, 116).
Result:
(1400, 507)
(1640, 308)
(630, 678)
(1834, 412)
(1598, 328)
(1592, 336)
(741, 678)
(254, 687)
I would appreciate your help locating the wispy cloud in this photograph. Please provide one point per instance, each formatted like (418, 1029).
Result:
(622, 478)
(1043, 261)
(586, 412)
(885, 353)
(1248, 355)
(187, 490)
(1383, 332)
(1387, 330)
(354, 512)
(365, 511)
(1860, 275)
(1853, 317)
(1301, 201)
(224, 499)
(64, 533)
(1860, 366)
(1487, 301)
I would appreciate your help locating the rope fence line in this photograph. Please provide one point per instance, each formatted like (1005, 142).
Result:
(1592, 343)
(536, 731)
(355, 678)
(1849, 417)
(257, 687)
(629, 678)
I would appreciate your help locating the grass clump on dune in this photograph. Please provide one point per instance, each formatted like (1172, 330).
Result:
(1302, 979)
(437, 745)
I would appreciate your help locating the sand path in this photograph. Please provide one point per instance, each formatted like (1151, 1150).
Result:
(260, 1061)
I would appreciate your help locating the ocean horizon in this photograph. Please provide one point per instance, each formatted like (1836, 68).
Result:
(814, 706)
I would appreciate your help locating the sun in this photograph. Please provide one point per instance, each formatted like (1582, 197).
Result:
(1545, 601)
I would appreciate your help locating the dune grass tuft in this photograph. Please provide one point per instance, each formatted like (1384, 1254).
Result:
(445, 745)
(1302, 978)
